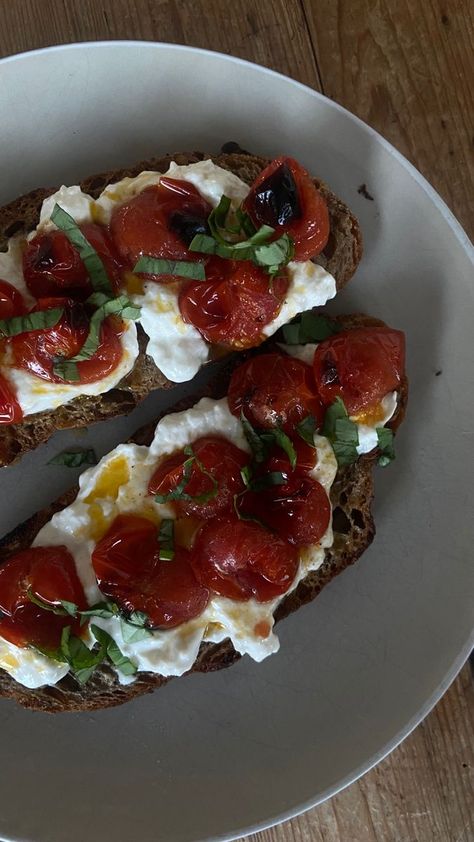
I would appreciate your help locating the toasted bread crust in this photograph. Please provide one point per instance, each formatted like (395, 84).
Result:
(340, 258)
(354, 530)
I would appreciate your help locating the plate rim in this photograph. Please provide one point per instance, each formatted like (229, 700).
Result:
(468, 247)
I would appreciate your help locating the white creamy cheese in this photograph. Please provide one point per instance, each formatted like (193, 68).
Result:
(176, 347)
(28, 667)
(368, 432)
(118, 484)
(71, 199)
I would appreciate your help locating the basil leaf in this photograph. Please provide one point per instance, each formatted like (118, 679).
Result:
(82, 660)
(132, 633)
(179, 493)
(271, 256)
(74, 458)
(256, 445)
(307, 428)
(217, 219)
(267, 480)
(342, 432)
(112, 651)
(94, 266)
(245, 223)
(275, 254)
(261, 441)
(120, 306)
(166, 539)
(138, 618)
(179, 268)
(309, 327)
(101, 609)
(63, 609)
(246, 474)
(39, 320)
(386, 445)
(278, 437)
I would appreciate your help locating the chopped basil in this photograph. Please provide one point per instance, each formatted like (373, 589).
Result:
(246, 474)
(341, 432)
(245, 223)
(267, 480)
(82, 660)
(179, 493)
(307, 428)
(272, 256)
(120, 306)
(275, 255)
(39, 320)
(385, 443)
(74, 458)
(112, 651)
(63, 608)
(132, 633)
(179, 268)
(106, 610)
(260, 441)
(135, 627)
(94, 266)
(166, 539)
(256, 445)
(278, 437)
(309, 327)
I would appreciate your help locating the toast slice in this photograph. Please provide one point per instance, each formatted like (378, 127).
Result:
(340, 257)
(351, 497)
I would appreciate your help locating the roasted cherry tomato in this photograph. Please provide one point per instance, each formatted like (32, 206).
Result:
(241, 559)
(52, 266)
(214, 473)
(37, 350)
(306, 458)
(285, 197)
(298, 510)
(11, 301)
(360, 366)
(129, 571)
(48, 573)
(235, 302)
(161, 222)
(10, 409)
(274, 389)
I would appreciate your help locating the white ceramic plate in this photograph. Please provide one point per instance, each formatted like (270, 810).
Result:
(214, 757)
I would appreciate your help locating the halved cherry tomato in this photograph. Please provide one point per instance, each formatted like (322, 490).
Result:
(11, 301)
(360, 366)
(299, 510)
(161, 222)
(241, 559)
(285, 197)
(274, 389)
(37, 350)
(222, 462)
(48, 573)
(10, 409)
(129, 571)
(52, 266)
(235, 302)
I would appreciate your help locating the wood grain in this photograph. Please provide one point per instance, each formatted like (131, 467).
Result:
(407, 68)
(269, 32)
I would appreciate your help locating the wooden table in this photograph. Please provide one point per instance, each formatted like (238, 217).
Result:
(407, 68)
